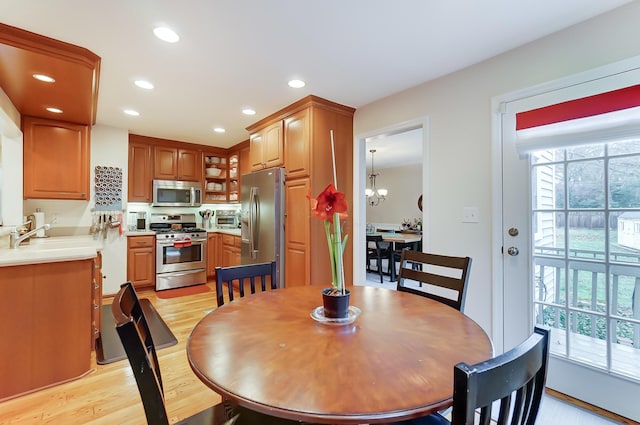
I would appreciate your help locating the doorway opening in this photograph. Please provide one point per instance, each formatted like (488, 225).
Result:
(401, 160)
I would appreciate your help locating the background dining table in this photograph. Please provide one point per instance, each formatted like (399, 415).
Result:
(394, 361)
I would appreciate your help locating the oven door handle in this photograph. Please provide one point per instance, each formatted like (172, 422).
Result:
(254, 228)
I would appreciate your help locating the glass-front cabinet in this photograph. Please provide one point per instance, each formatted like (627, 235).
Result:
(215, 175)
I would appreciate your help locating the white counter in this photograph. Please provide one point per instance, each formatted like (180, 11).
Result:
(50, 250)
(234, 232)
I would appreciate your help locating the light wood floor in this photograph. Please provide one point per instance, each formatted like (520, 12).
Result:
(109, 394)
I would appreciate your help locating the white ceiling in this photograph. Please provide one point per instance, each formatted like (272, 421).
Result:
(241, 53)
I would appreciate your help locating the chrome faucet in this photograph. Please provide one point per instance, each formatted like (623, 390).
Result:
(15, 237)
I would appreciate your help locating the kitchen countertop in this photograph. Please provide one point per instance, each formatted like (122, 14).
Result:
(235, 232)
(50, 250)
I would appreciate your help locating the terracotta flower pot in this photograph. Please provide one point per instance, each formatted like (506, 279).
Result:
(336, 304)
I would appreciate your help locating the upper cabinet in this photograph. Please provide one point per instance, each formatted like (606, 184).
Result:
(267, 145)
(307, 156)
(140, 171)
(49, 144)
(172, 163)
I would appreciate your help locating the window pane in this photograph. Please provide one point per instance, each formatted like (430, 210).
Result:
(543, 157)
(548, 186)
(587, 151)
(628, 146)
(587, 286)
(585, 184)
(625, 354)
(549, 280)
(583, 346)
(624, 182)
(625, 291)
(624, 239)
(586, 235)
(554, 318)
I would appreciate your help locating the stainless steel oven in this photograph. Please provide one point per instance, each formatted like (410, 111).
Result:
(181, 251)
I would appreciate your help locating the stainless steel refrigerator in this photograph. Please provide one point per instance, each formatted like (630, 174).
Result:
(262, 219)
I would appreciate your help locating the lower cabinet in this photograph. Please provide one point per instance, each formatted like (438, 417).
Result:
(97, 298)
(45, 324)
(230, 250)
(141, 264)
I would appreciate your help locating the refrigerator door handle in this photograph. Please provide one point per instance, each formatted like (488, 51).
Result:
(254, 213)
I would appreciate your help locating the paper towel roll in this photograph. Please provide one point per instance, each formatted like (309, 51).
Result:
(39, 216)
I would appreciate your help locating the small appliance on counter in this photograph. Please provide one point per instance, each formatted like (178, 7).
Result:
(226, 219)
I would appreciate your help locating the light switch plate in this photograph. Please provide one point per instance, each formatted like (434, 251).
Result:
(470, 215)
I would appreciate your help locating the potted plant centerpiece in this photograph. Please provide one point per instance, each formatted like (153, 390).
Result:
(330, 206)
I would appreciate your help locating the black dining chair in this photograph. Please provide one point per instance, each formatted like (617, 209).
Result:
(513, 382)
(263, 274)
(377, 250)
(133, 330)
(439, 277)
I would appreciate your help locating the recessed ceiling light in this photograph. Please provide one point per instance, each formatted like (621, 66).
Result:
(166, 34)
(219, 130)
(44, 78)
(131, 112)
(143, 84)
(248, 111)
(297, 84)
(54, 110)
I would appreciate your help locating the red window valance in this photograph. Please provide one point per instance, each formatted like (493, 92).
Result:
(602, 103)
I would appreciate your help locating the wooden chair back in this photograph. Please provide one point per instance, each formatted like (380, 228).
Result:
(246, 274)
(421, 267)
(134, 333)
(378, 251)
(514, 380)
(132, 327)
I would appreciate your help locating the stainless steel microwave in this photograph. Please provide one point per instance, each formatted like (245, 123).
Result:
(174, 193)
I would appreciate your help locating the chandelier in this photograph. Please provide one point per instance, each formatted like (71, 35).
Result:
(374, 195)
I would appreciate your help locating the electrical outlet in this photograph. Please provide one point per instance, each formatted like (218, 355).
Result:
(54, 218)
(470, 215)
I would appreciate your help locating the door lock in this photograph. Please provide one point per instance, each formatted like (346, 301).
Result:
(513, 231)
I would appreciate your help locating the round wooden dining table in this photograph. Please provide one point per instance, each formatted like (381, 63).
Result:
(394, 361)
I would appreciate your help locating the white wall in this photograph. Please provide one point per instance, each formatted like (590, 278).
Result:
(458, 107)
(10, 164)
(405, 186)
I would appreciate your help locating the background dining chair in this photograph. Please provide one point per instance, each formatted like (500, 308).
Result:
(246, 274)
(514, 382)
(377, 250)
(449, 274)
(132, 327)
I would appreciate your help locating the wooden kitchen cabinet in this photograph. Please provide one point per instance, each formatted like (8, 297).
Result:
(230, 250)
(309, 167)
(140, 171)
(96, 313)
(173, 163)
(141, 266)
(46, 325)
(214, 253)
(266, 146)
(56, 159)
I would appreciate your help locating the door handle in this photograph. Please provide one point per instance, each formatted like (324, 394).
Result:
(513, 251)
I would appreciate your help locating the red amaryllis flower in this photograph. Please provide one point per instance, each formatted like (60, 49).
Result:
(329, 202)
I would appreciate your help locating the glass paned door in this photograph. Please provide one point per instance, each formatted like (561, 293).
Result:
(586, 253)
